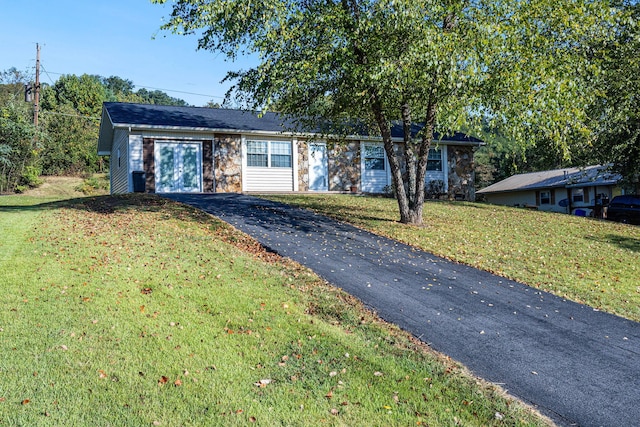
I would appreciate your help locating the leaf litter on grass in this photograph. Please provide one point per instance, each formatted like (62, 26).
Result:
(589, 261)
(141, 291)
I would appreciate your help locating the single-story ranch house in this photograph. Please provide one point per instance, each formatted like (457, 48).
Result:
(165, 149)
(579, 191)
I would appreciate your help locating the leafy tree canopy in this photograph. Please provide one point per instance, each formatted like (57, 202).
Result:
(158, 97)
(616, 112)
(64, 143)
(524, 65)
(85, 94)
(12, 83)
(19, 141)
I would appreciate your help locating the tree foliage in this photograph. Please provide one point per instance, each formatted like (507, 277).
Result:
(616, 113)
(12, 84)
(65, 142)
(71, 111)
(19, 143)
(158, 97)
(502, 157)
(444, 65)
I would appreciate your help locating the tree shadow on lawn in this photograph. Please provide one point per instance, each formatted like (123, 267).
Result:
(623, 242)
(107, 205)
(358, 214)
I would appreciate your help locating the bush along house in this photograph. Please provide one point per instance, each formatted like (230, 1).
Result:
(168, 149)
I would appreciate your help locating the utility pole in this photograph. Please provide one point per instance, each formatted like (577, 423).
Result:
(36, 102)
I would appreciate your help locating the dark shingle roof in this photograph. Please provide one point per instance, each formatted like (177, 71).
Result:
(238, 121)
(192, 117)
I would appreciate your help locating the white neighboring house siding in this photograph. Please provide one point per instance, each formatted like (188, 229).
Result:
(528, 198)
(513, 198)
(119, 163)
(265, 179)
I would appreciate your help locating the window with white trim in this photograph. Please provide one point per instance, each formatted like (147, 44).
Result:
(374, 157)
(280, 154)
(578, 194)
(269, 154)
(545, 197)
(257, 154)
(434, 160)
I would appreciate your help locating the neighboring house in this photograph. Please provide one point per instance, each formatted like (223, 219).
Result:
(580, 191)
(164, 149)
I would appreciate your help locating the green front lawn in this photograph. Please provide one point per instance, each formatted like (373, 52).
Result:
(138, 311)
(589, 261)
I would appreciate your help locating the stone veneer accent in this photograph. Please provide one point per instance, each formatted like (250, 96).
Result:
(303, 166)
(227, 160)
(461, 172)
(344, 166)
(149, 166)
(207, 166)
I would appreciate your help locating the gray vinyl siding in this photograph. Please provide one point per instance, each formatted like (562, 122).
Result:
(119, 169)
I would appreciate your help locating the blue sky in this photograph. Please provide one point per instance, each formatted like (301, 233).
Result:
(110, 38)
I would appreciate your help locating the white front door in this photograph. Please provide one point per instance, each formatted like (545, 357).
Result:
(318, 167)
(178, 167)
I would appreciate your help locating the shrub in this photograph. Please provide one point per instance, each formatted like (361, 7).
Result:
(30, 178)
(93, 185)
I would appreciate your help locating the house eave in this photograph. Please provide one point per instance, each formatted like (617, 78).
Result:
(266, 133)
(551, 187)
(593, 184)
(105, 134)
(138, 127)
(519, 190)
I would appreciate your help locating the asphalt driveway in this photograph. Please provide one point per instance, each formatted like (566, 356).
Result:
(575, 364)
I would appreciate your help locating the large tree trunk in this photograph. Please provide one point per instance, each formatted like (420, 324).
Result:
(410, 202)
(411, 199)
(396, 171)
(409, 153)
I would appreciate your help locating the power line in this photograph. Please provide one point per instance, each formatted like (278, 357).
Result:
(179, 91)
(150, 87)
(47, 73)
(54, 113)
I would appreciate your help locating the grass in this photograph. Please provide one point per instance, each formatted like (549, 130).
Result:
(57, 186)
(589, 261)
(136, 310)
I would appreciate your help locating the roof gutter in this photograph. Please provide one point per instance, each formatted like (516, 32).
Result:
(309, 135)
